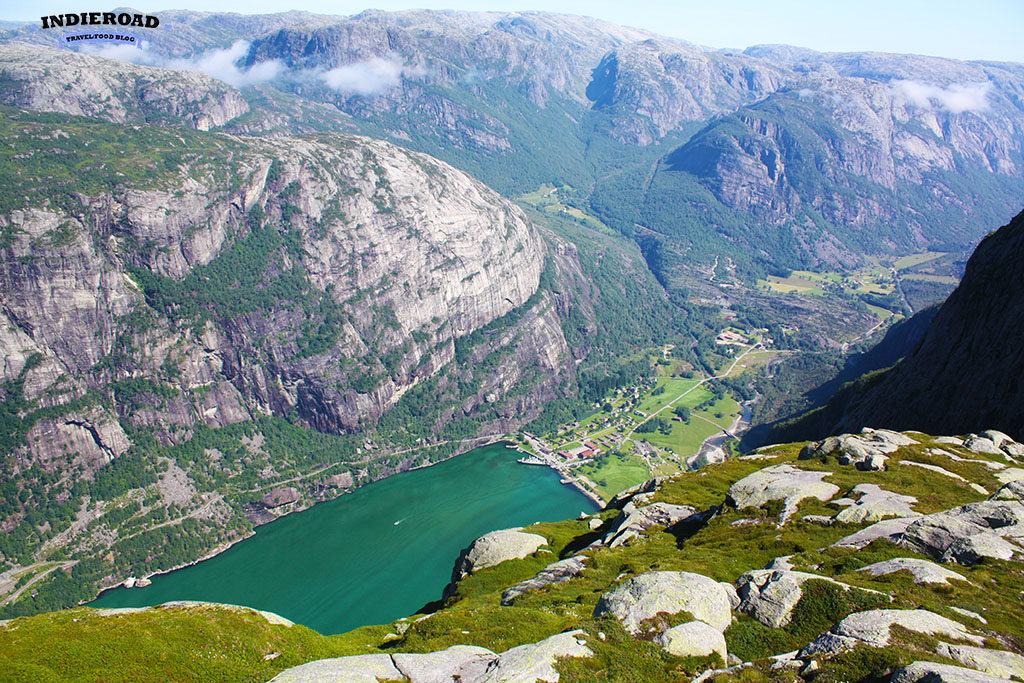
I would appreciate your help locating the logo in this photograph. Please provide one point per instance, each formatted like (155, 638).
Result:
(100, 19)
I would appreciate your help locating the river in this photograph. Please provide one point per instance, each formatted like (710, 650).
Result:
(374, 555)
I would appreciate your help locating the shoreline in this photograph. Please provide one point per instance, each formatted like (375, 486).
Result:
(477, 442)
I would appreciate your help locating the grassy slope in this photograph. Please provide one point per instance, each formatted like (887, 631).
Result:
(202, 644)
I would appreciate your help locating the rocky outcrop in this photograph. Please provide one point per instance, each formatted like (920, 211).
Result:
(781, 482)
(995, 662)
(934, 672)
(769, 595)
(46, 79)
(648, 595)
(531, 662)
(923, 571)
(632, 521)
(874, 504)
(281, 495)
(866, 451)
(873, 629)
(970, 532)
(495, 547)
(556, 572)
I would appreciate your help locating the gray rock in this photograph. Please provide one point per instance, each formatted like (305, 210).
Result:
(354, 669)
(933, 672)
(872, 628)
(781, 482)
(923, 571)
(995, 662)
(891, 529)
(769, 595)
(996, 437)
(693, 639)
(969, 613)
(730, 592)
(967, 533)
(556, 572)
(1010, 474)
(633, 521)
(594, 523)
(876, 504)
(783, 562)
(647, 595)
(1011, 491)
(495, 547)
(823, 520)
(979, 444)
(866, 451)
(281, 495)
(534, 662)
(455, 663)
(973, 548)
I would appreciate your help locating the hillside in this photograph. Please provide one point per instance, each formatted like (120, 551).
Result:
(883, 554)
(964, 373)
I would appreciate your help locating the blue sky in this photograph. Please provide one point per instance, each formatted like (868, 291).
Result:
(975, 29)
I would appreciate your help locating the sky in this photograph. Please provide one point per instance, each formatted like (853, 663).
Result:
(961, 29)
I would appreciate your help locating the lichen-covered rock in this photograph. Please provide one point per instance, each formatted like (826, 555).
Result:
(693, 639)
(633, 521)
(459, 662)
(495, 547)
(995, 662)
(923, 571)
(781, 482)
(769, 595)
(872, 628)
(866, 451)
(890, 529)
(1011, 491)
(354, 669)
(933, 672)
(966, 533)
(876, 504)
(535, 661)
(556, 572)
(647, 595)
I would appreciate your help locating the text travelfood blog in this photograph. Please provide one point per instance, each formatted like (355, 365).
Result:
(100, 19)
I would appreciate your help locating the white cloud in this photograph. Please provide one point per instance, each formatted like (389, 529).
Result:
(364, 78)
(957, 98)
(220, 64)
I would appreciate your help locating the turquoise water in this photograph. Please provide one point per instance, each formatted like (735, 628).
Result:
(345, 563)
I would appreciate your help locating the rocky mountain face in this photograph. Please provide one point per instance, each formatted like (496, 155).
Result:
(965, 371)
(878, 555)
(778, 156)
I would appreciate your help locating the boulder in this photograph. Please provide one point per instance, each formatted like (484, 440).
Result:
(872, 627)
(1011, 491)
(980, 444)
(995, 662)
(876, 504)
(495, 547)
(1010, 474)
(693, 639)
(458, 662)
(533, 662)
(769, 595)
(923, 571)
(866, 451)
(647, 595)
(556, 572)
(933, 672)
(354, 669)
(730, 592)
(891, 529)
(781, 482)
(280, 495)
(965, 534)
(633, 521)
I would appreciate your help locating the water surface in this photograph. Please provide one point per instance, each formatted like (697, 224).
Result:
(346, 563)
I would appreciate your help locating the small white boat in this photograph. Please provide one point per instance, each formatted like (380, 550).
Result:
(399, 521)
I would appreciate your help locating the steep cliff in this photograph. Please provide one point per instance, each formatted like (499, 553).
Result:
(965, 373)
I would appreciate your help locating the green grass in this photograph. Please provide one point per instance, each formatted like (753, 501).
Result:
(916, 259)
(685, 439)
(673, 388)
(618, 474)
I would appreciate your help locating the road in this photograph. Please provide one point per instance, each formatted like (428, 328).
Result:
(7, 580)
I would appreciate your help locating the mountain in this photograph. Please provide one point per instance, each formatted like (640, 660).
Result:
(777, 157)
(964, 374)
(874, 556)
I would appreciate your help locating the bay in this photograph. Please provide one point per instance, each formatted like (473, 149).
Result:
(374, 555)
